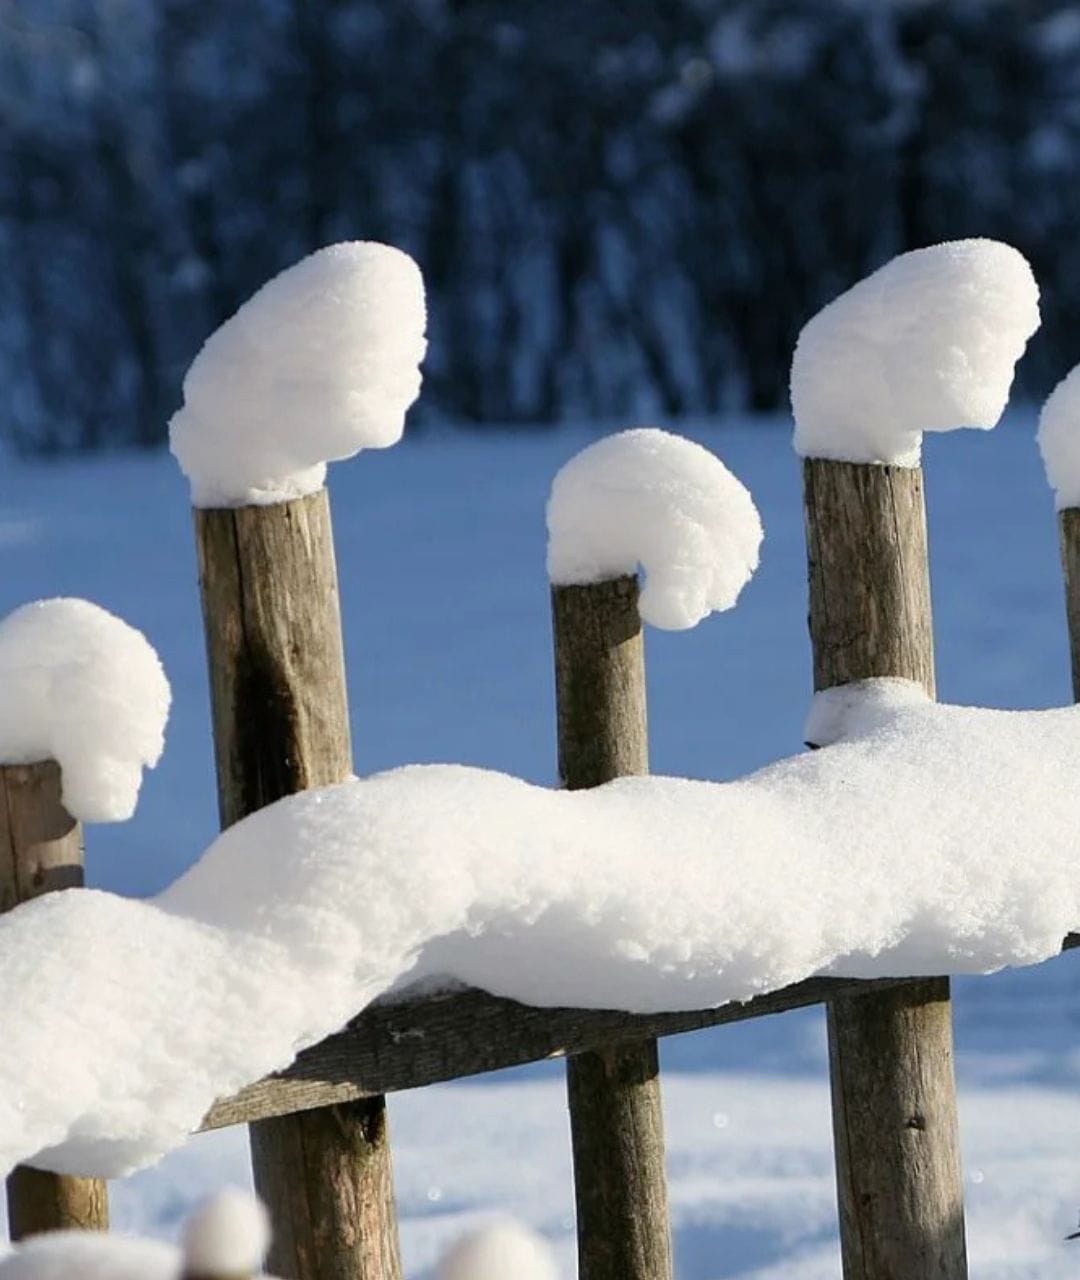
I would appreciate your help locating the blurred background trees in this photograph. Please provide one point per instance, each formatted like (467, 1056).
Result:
(622, 209)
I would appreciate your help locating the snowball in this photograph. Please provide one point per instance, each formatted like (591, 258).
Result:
(90, 1255)
(321, 362)
(927, 343)
(649, 498)
(81, 687)
(227, 1235)
(927, 839)
(1059, 440)
(501, 1251)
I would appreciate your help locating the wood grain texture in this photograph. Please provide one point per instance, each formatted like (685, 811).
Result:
(41, 850)
(268, 580)
(1069, 530)
(616, 1118)
(415, 1042)
(895, 1125)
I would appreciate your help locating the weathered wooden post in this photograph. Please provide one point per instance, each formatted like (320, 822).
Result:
(41, 849)
(639, 497)
(616, 1118)
(898, 1167)
(928, 342)
(321, 362)
(273, 631)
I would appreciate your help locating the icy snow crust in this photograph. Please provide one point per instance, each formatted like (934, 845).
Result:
(321, 362)
(79, 686)
(649, 498)
(1059, 440)
(927, 343)
(926, 839)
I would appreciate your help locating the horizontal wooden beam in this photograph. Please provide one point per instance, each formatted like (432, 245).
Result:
(416, 1042)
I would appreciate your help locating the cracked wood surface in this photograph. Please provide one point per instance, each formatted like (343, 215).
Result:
(281, 724)
(895, 1126)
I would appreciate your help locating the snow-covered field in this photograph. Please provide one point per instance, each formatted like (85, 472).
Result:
(441, 556)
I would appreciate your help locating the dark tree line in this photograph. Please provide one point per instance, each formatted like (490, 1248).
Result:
(620, 208)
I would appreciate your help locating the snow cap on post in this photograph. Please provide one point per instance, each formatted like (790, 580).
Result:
(503, 1250)
(226, 1237)
(927, 343)
(1059, 440)
(649, 498)
(321, 362)
(81, 687)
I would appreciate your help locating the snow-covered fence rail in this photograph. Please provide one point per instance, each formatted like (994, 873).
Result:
(659, 892)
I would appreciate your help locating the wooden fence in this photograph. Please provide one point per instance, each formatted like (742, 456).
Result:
(319, 1135)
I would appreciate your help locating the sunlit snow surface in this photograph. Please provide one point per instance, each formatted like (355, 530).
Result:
(751, 1162)
(928, 342)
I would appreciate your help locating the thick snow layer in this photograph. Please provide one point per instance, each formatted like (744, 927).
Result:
(927, 343)
(499, 1251)
(927, 839)
(321, 362)
(81, 687)
(649, 498)
(227, 1235)
(1059, 440)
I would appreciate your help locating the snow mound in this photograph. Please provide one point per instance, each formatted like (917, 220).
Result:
(227, 1235)
(90, 1255)
(1059, 440)
(81, 687)
(927, 343)
(499, 1251)
(321, 362)
(649, 498)
(927, 839)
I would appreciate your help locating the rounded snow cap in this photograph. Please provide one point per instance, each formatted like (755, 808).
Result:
(226, 1236)
(321, 362)
(1059, 440)
(927, 343)
(503, 1250)
(81, 687)
(649, 498)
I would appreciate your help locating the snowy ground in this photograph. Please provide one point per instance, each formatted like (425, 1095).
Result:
(441, 549)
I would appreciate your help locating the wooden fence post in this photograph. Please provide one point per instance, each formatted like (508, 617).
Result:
(614, 1094)
(273, 628)
(41, 849)
(1069, 529)
(891, 1055)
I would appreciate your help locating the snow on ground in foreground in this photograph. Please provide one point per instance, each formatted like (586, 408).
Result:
(321, 362)
(81, 687)
(650, 498)
(928, 342)
(927, 839)
(749, 1163)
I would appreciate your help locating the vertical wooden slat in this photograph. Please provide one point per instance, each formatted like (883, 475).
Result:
(614, 1094)
(899, 1178)
(273, 629)
(41, 850)
(1069, 529)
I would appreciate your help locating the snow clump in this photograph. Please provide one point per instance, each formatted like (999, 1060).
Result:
(1059, 440)
(321, 362)
(81, 687)
(927, 343)
(649, 498)
(227, 1235)
(504, 1250)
